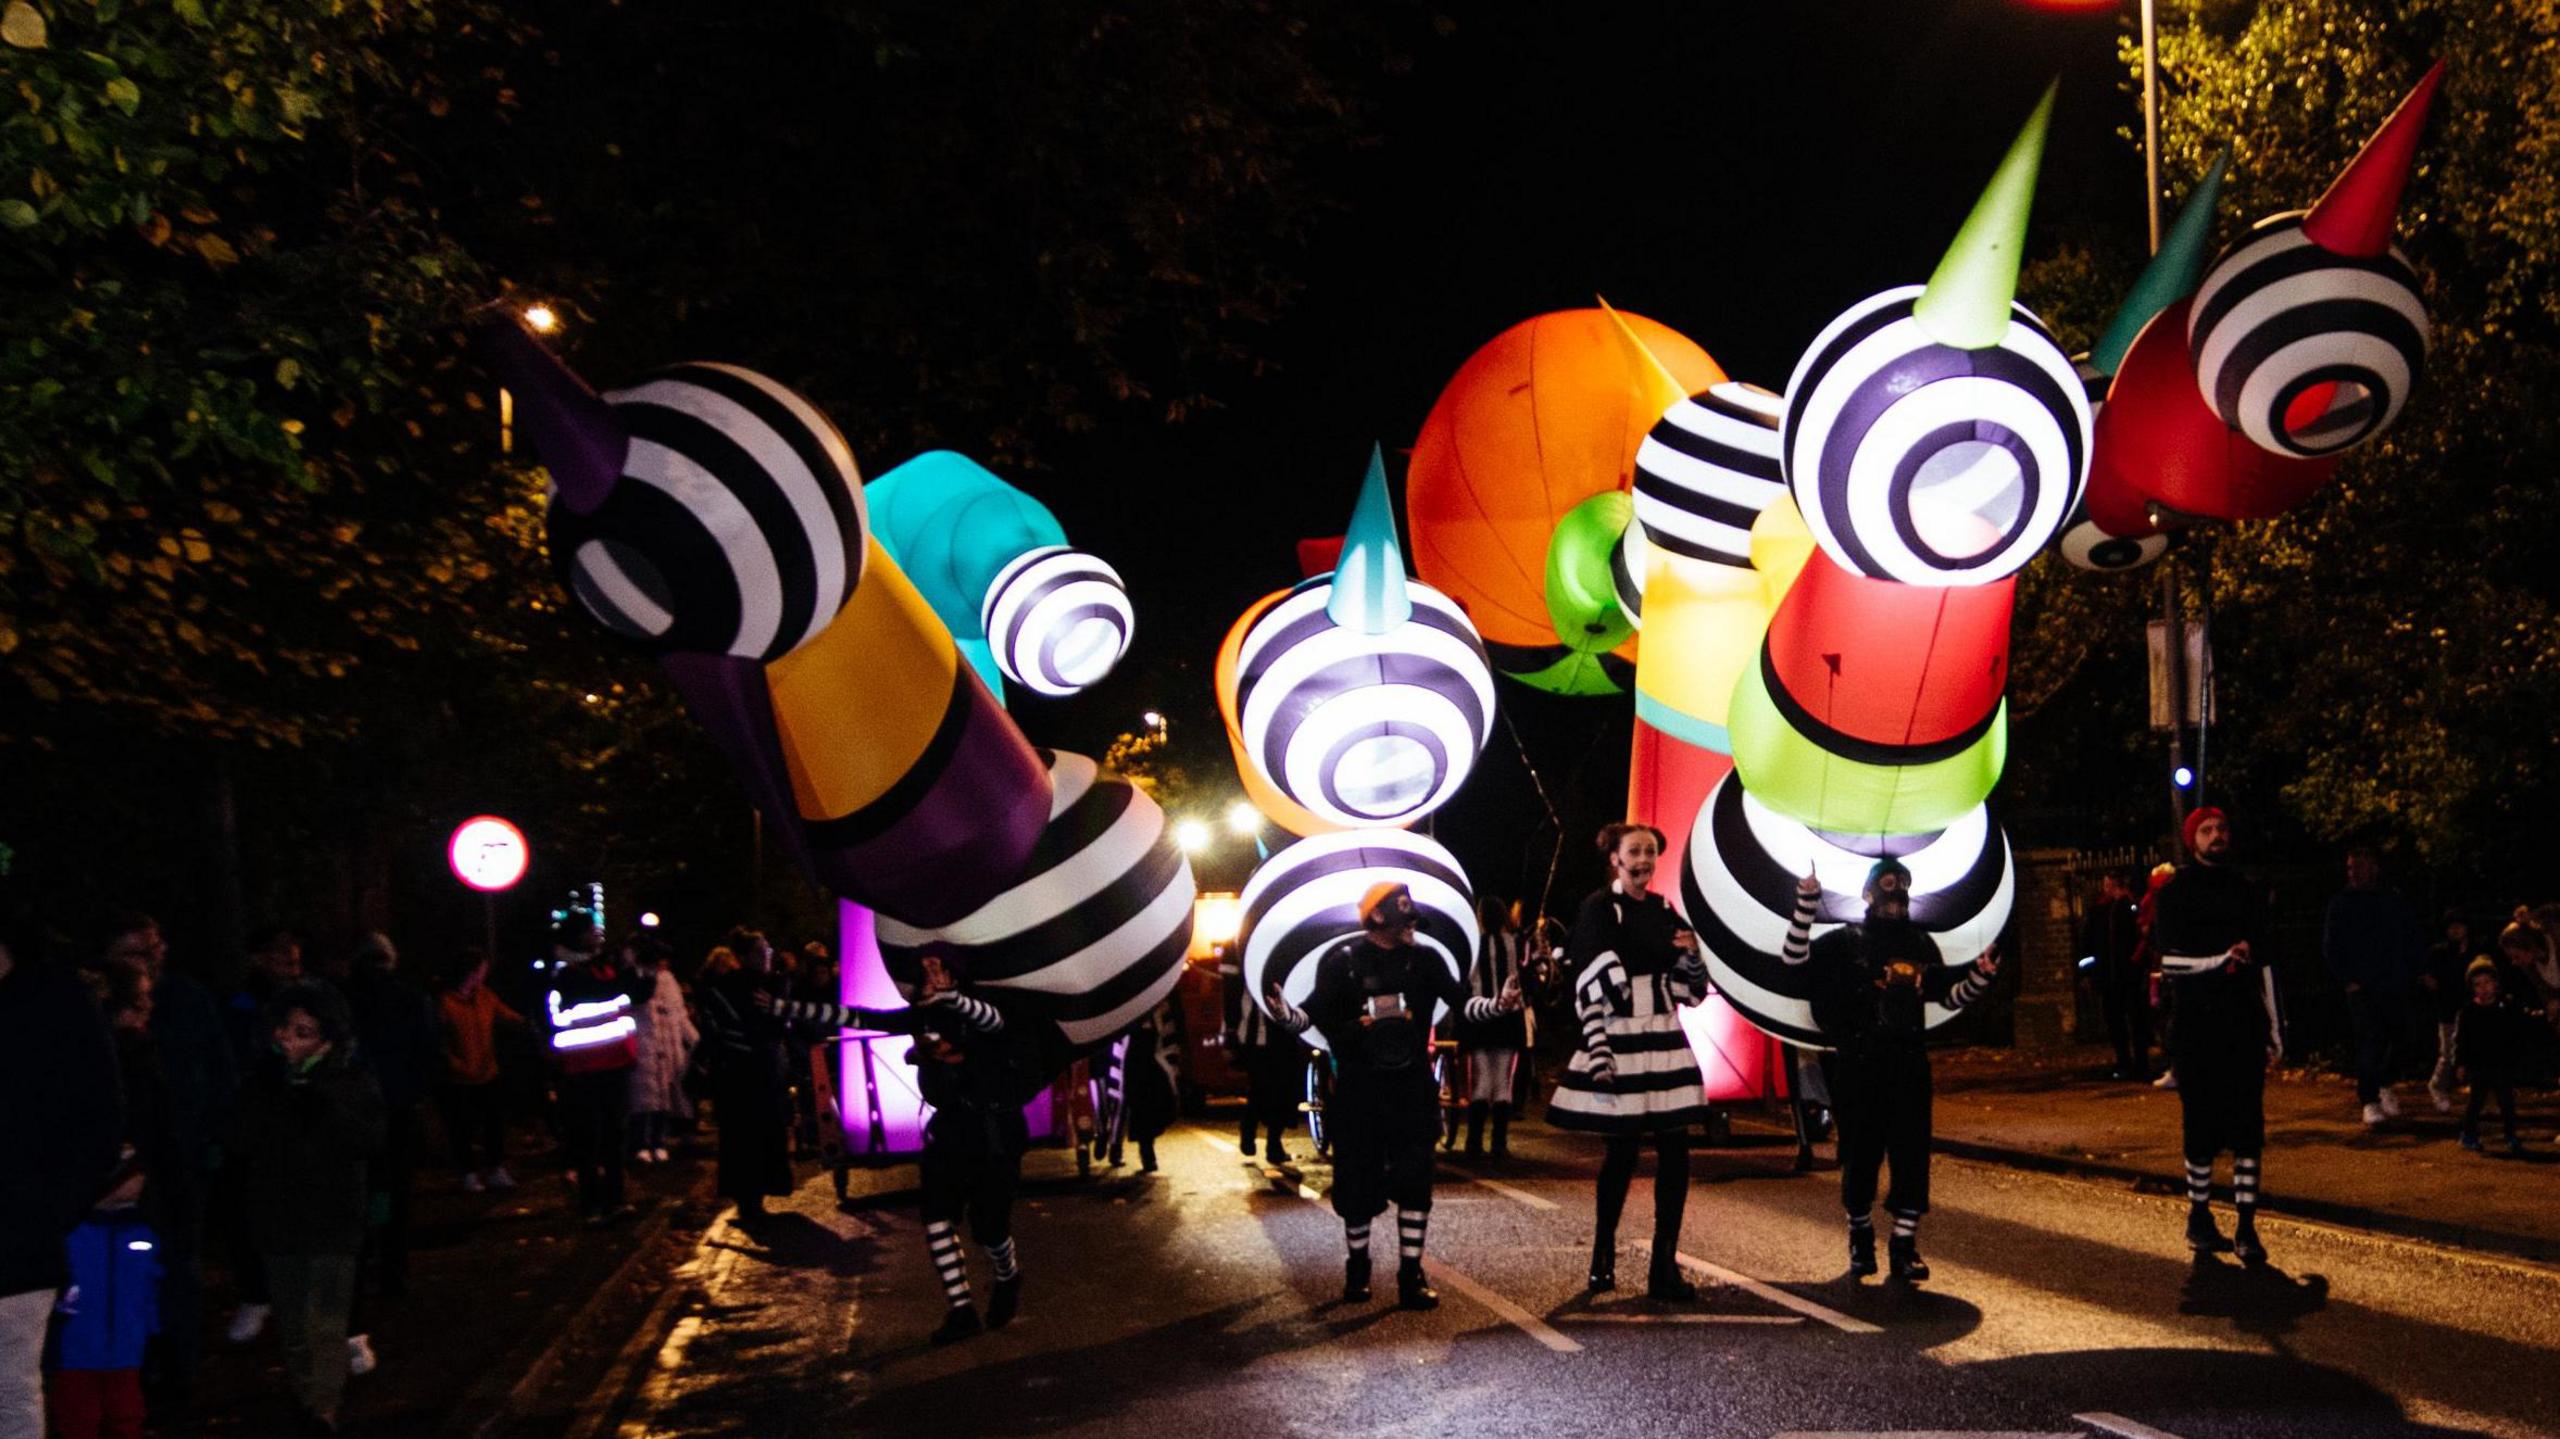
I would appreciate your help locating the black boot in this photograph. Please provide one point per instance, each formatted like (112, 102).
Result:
(1904, 1251)
(2245, 1242)
(1147, 1156)
(1412, 1290)
(1272, 1151)
(1501, 1131)
(1604, 1265)
(1475, 1131)
(1245, 1141)
(1862, 1250)
(1355, 1278)
(1664, 1282)
(959, 1324)
(1005, 1302)
(2202, 1236)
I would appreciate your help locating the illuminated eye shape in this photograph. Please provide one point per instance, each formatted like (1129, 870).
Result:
(1058, 620)
(2090, 548)
(1091, 936)
(1363, 729)
(1306, 899)
(1928, 464)
(1707, 470)
(2306, 351)
(738, 524)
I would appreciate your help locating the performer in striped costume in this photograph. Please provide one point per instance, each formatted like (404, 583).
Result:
(2207, 922)
(1873, 984)
(1635, 962)
(1493, 1048)
(968, 1066)
(1373, 1001)
(1274, 1064)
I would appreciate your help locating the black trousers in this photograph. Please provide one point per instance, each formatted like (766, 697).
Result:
(1881, 1104)
(2124, 993)
(1275, 1082)
(965, 1178)
(2380, 1021)
(2222, 1098)
(594, 1108)
(475, 1117)
(1670, 1188)
(1384, 1129)
(755, 1155)
(2481, 1090)
(179, 1346)
(390, 1178)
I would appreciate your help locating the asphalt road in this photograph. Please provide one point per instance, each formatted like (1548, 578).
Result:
(1203, 1300)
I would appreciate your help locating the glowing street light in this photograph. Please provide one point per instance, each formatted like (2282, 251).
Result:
(1192, 835)
(649, 920)
(1154, 720)
(1243, 818)
(542, 318)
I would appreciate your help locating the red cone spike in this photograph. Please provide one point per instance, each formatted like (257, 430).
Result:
(2355, 215)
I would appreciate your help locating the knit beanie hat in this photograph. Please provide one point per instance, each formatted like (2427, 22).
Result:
(2479, 966)
(2196, 821)
(1380, 901)
(1883, 867)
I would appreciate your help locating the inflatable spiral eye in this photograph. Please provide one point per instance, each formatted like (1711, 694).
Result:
(1926, 463)
(2304, 350)
(1707, 470)
(1306, 899)
(737, 527)
(1626, 573)
(2090, 548)
(1091, 935)
(1738, 888)
(1058, 620)
(1363, 729)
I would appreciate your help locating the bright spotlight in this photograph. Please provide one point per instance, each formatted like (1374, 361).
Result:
(542, 318)
(1243, 818)
(1192, 835)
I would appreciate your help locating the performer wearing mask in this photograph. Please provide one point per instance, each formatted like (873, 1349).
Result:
(1492, 1050)
(1274, 1064)
(968, 1069)
(1634, 1079)
(1373, 1001)
(2208, 925)
(1873, 984)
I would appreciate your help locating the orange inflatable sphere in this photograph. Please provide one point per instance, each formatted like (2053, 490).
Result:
(1546, 415)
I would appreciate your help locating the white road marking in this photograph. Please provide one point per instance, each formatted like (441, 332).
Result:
(1606, 1317)
(1520, 1319)
(1784, 1300)
(2120, 1425)
(1507, 1191)
(1929, 1434)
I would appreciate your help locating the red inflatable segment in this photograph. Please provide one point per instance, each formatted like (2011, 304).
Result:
(1878, 663)
(2158, 439)
(1667, 780)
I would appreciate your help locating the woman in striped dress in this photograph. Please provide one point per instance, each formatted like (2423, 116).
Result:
(1634, 963)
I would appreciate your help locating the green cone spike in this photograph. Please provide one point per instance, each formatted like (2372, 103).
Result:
(2172, 274)
(1368, 581)
(1967, 302)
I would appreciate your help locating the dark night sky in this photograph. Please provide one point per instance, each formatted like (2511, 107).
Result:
(1740, 173)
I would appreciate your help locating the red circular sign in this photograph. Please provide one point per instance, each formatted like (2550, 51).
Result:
(488, 853)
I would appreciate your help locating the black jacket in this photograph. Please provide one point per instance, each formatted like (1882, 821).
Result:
(300, 1142)
(2204, 910)
(1865, 1016)
(1399, 988)
(61, 1121)
(396, 1037)
(2490, 1040)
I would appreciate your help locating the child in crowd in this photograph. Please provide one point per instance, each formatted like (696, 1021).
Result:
(308, 1119)
(468, 1014)
(2489, 1039)
(111, 1309)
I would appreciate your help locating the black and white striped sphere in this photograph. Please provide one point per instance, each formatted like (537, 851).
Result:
(1925, 463)
(737, 526)
(1707, 470)
(1058, 619)
(2304, 350)
(1091, 934)
(1363, 729)
(1738, 888)
(1306, 899)
(2083, 544)
(1627, 561)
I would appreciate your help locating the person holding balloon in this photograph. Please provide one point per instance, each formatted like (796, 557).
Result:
(1873, 986)
(1373, 1001)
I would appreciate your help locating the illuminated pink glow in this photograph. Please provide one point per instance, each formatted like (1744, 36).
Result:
(866, 982)
(1734, 1057)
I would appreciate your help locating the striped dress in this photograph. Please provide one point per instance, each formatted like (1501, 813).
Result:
(1634, 1073)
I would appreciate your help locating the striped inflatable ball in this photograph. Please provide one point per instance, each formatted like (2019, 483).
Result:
(1738, 886)
(2304, 350)
(738, 525)
(1627, 563)
(1707, 470)
(1363, 729)
(1091, 934)
(1306, 899)
(1921, 462)
(2084, 543)
(1058, 620)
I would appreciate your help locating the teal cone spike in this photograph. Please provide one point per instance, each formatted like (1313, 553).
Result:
(1368, 581)
(2172, 274)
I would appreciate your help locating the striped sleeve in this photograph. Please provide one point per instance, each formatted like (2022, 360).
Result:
(2178, 965)
(1481, 1011)
(1973, 986)
(1291, 1018)
(1688, 979)
(976, 1013)
(810, 1011)
(1593, 1003)
(1799, 945)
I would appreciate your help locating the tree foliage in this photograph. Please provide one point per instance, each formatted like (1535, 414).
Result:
(2387, 656)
